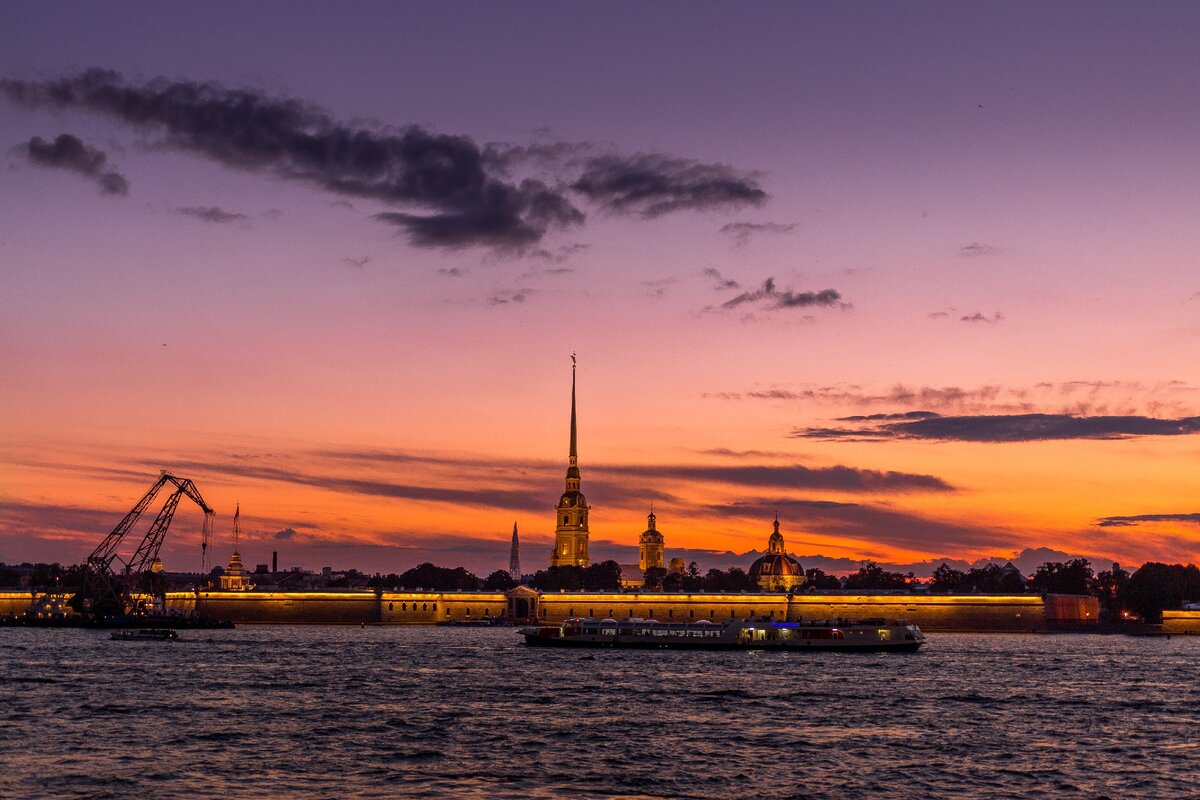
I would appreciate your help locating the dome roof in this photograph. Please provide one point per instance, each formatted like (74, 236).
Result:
(651, 536)
(775, 565)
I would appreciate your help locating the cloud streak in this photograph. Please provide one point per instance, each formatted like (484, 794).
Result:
(1137, 519)
(739, 233)
(999, 428)
(652, 184)
(70, 153)
(769, 297)
(211, 214)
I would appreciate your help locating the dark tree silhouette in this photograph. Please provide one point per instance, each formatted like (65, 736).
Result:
(499, 581)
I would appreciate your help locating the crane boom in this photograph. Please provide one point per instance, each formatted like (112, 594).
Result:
(102, 557)
(147, 551)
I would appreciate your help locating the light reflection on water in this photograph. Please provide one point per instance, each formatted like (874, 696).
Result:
(431, 712)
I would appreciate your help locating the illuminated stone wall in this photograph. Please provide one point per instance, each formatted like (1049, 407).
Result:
(14, 603)
(931, 612)
(340, 608)
(935, 613)
(1182, 622)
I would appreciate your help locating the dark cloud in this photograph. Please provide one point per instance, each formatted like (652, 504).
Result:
(905, 415)
(977, 249)
(212, 214)
(875, 524)
(558, 254)
(791, 476)
(443, 175)
(773, 299)
(285, 534)
(653, 184)
(357, 263)
(1010, 428)
(938, 314)
(70, 153)
(1081, 398)
(1133, 521)
(728, 453)
(740, 232)
(979, 316)
(720, 282)
(509, 296)
(451, 272)
(451, 192)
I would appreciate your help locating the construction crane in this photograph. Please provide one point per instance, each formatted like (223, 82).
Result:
(109, 578)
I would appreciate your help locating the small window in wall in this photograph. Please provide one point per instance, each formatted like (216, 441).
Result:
(424, 606)
(468, 611)
(670, 613)
(712, 614)
(631, 613)
(591, 612)
(610, 613)
(570, 612)
(447, 612)
(543, 613)
(691, 613)
(390, 607)
(731, 613)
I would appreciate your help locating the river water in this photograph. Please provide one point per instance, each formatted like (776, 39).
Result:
(329, 712)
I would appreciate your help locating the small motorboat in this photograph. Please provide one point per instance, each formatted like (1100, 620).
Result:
(145, 635)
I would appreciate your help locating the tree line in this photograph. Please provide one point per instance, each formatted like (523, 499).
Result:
(1146, 592)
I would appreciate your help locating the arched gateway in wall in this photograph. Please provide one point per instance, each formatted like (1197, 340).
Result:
(521, 603)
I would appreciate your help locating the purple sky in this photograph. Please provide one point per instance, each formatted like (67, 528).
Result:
(973, 209)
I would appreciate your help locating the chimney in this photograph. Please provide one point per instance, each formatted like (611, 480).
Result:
(274, 561)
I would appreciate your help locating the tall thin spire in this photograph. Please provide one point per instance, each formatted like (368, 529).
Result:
(514, 556)
(237, 526)
(574, 454)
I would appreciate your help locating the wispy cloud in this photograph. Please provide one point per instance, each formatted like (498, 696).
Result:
(357, 263)
(211, 214)
(1006, 428)
(1137, 519)
(770, 298)
(653, 184)
(979, 316)
(978, 249)
(509, 296)
(70, 153)
(739, 233)
(720, 282)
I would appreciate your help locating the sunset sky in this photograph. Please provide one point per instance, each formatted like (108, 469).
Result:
(920, 278)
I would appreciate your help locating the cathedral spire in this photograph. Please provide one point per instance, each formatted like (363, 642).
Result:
(574, 454)
(514, 556)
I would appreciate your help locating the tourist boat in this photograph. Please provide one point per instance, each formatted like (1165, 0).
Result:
(871, 635)
(145, 635)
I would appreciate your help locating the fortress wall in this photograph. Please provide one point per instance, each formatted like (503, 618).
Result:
(1182, 622)
(340, 608)
(935, 613)
(15, 603)
(931, 612)
(664, 607)
(322, 608)
(1072, 608)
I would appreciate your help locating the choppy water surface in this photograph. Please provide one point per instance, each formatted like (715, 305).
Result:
(432, 712)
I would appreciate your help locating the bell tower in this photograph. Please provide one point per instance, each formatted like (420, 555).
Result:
(571, 534)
